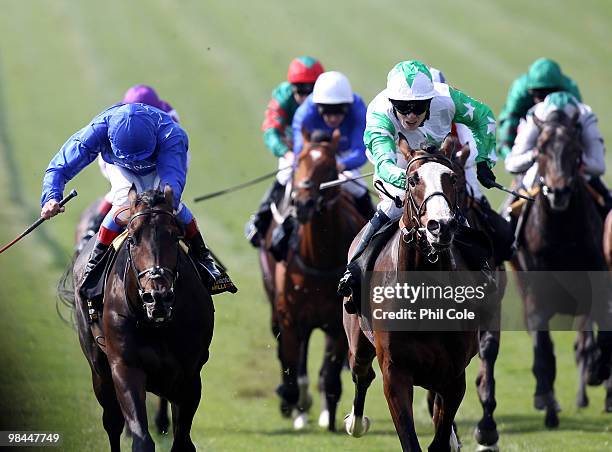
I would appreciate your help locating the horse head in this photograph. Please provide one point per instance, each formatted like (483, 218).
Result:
(316, 164)
(559, 158)
(153, 250)
(431, 195)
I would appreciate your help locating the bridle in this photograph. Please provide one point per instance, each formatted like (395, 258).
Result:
(571, 178)
(413, 232)
(151, 273)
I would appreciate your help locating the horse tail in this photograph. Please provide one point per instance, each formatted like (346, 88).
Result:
(65, 302)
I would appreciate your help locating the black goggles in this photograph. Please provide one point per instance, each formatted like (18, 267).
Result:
(303, 89)
(405, 107)
(332, 109)
(541, 93)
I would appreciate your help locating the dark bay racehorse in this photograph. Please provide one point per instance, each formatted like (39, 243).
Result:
(562, 232)
(157, 325)
(486, 433)
(305, 295)
(162, 421)
(433, 360)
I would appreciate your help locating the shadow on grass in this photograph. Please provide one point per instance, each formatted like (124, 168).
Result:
(517, 424)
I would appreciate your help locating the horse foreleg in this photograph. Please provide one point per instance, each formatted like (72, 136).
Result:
(305, 398)
(445, 408)
(584, 350)
(333, 361)
(161, 418)
(486, 431)
(130, 386)
(399, 391)
(544, 369)
(112, 417)
(361, 354)
(290, 350)
(183, 410)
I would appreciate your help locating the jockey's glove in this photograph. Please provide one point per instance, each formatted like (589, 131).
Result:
(485, 175)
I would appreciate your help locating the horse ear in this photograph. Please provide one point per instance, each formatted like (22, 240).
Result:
(335, 138)
(405, 148)
(463, 154)
(538, 122)
(305, 136)
(132, 194)
(169, 195)
(448, 146)
(575, 118)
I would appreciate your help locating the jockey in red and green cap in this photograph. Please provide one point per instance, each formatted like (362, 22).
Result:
(286, 98)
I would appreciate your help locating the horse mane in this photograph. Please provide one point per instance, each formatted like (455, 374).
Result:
(151, 198)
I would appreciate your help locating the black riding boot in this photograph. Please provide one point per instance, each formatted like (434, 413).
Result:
(345, 285)
(216, 281)
(597, 184)
(500, 231)
(92, 274)
(92, 229)
(364, 206)
(257, 226)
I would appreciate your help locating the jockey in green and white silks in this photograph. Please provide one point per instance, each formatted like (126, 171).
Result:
(431, 109)
(423, 111)
(522, 158)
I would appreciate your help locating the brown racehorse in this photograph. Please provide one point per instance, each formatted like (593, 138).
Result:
(433, 360)
(562, 232)
(486, 434)
(305, 285)
(162, 421)
(157, 326)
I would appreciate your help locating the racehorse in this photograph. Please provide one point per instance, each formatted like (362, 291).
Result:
(433, 360)
(161, 419)
(562, 232)
(156, 326)
(305, 284)
(486, 433)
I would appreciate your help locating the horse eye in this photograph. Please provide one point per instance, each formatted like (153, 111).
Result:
(453, 179)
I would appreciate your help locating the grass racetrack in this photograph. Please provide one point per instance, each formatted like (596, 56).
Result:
(62, 62)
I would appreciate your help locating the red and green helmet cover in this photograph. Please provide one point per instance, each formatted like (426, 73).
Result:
(304, 69)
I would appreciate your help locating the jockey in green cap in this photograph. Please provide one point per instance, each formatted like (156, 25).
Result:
(543, 77)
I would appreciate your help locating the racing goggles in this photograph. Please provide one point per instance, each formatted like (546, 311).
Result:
(405, 107)
(302, 89)
(333, 109)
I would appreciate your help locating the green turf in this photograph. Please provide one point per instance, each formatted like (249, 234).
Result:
(61, 62)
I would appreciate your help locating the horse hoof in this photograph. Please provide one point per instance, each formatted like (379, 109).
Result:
(306, 404)
(300, 420)
(486, 438)
(455, 444)
(488, 448)
(356, 426)
(552, 419)
(324, 419)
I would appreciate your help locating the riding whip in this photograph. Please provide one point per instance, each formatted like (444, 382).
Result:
(240, 186)
(337, 182)
(37, 223)
(512, 192)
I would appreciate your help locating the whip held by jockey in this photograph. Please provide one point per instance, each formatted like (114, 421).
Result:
(60, 208)
(143, 146)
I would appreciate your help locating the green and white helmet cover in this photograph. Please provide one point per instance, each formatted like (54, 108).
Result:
(410, 80)
(561, 100)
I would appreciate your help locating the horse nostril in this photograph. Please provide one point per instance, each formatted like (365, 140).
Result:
(433, 227)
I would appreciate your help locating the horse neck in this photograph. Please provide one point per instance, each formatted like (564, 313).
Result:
(321, 240)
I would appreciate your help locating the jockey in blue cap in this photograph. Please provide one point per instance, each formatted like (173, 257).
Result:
(145, 147)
